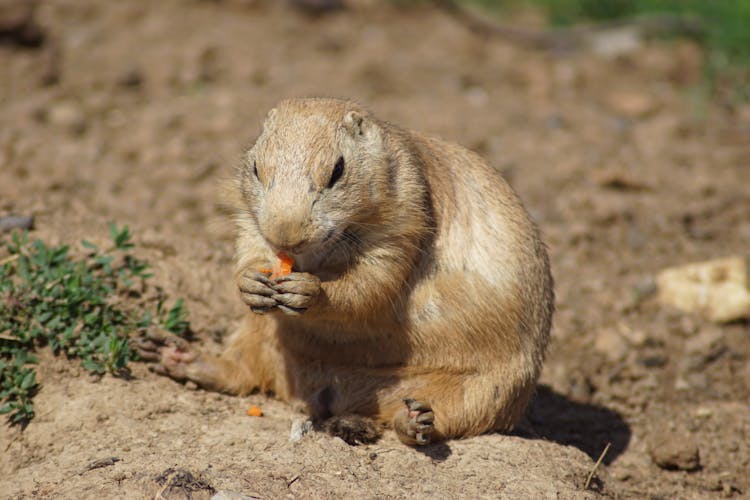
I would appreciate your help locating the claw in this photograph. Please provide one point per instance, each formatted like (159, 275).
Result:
(148, 356)
(258, 301)
(290, 311)
(418, 423)
(426, 418)
(160, 337)
(158, 369)
(292, 300)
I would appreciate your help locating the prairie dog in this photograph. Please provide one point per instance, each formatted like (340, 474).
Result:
(421, 295)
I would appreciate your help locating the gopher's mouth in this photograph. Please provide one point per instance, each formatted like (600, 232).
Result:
(331, 234)
(335, 244)
(315, 256)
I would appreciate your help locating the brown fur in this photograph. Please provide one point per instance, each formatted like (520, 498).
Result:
(439, 290)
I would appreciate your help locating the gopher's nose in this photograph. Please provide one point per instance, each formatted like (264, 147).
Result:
(288, 236)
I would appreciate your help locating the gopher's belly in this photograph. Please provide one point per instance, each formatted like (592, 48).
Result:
(340, 346)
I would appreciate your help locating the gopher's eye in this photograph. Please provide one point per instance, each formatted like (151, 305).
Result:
(338, 170)
(255, 170)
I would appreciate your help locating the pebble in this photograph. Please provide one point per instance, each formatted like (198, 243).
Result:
(68, 116)
(716, 289)
(632, 105)
(612, 345)
(616, 42)
(10, 222)
(673, 450)
(230, 495)
(131, 77)
(702, 348)
(300, 427)
(635, 337)
(703, 412)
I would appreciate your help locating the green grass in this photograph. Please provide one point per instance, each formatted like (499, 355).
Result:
(725, 22)
(725, 31)
(85, 308)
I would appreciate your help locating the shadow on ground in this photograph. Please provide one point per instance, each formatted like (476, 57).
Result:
(586, 426)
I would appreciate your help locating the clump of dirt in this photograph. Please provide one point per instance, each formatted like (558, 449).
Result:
(135, 111)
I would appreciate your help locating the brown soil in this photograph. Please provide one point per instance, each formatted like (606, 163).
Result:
(135, 111)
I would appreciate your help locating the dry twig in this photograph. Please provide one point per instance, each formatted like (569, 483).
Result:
(596, 466)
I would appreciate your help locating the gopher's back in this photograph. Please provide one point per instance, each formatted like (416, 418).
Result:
(488, 245)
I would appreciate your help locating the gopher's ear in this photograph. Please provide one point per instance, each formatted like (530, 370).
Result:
(269, 118)
(354, 122)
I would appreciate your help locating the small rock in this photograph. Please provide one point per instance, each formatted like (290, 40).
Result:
(68, 116)
(616, 42)
(716, 289)
(632, 105)
(300, 427)
(680, 384)
(653, 360)
(619, 180)
(635, 337)
(703, 412)
(673, 450)
(612, 345)
(132, 78)
(230, 495)
(317, 7)
(703, 348)
(9, 222)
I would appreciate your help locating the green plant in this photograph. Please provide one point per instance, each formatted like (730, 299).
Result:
(84, 308)
(721, 27)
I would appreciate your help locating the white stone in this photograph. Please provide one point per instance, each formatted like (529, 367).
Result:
(300, 427)
(716, 289)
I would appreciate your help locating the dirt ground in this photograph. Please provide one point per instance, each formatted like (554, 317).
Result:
(135, 112)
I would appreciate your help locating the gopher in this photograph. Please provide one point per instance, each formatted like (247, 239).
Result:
(421, 296)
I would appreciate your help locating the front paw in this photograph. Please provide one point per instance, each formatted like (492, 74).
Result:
(296, 292)
(256, 290)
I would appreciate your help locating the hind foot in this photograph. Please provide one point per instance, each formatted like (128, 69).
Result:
(353, 429)
(414, 424)
(171, 356)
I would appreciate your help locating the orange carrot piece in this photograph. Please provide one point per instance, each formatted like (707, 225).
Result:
(254, 411)
(283, 266)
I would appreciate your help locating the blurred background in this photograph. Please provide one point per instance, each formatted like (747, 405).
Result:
(623, 124)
